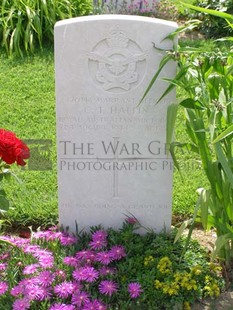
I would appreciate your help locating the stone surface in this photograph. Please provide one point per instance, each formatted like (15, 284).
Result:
(111, 150)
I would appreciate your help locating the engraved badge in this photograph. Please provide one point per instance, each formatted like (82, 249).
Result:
(117, 63)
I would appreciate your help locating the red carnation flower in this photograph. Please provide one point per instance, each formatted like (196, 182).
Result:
(12, 149)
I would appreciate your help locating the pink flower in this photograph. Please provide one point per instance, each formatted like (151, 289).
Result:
(21, 304)
(104, 258)
(66, 239)
(53, 235)
(107, 287)
(99, 240)
(44, 293)
(94, 305)
(3, 287)
(117, 252)
(3, 266)
(59, 306)
(30, 269)
(134, 289)
(86, 256)
(4, 256)
(79, 274)
(17, 290)
(131, 220)
(42, 252)
(99, 235)
(70, 261)
(90, 274)
(64, 289)
(40, 235)
(46, 261)
(80, 298)
(31, 248)
(98, 244)
(46, 278)
(103, 271)
(33, 292)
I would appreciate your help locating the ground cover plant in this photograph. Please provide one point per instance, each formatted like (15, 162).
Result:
(105, 269)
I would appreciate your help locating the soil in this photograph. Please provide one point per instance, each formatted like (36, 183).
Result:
(225, 300)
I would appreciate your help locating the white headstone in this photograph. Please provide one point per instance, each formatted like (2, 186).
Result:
(111, 152)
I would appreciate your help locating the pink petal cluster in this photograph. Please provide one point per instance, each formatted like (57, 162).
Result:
(63, 282)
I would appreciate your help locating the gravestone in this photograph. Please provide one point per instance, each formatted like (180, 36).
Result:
(112, 161)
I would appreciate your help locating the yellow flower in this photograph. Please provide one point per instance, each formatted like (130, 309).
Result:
(187, 306)
(196, 270)
(214, 267)
(211, 288)
(148, 260)
(164, 265)
(178, 276)
(158, 284)
(169, 289)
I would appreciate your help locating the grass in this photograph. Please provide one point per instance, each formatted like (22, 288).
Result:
(28, 108)
(27, 97)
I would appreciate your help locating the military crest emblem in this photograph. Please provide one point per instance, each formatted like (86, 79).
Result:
(117, 62)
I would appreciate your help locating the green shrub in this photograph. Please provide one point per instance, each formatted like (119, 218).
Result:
(206, 81)
(27, 24)
(213, 26)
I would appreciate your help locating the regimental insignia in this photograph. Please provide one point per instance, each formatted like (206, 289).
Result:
(117, 63)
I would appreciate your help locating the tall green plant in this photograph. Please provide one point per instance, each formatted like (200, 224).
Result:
(26, 24)
(207, 83)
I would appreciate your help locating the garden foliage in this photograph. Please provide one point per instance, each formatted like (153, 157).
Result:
(207, 83)
(27, 24)
(213, 26)
(105, 269)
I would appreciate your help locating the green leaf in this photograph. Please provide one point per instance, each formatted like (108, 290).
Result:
(4, 203)
(193, 220)
(171, 119)
(190, 103)
(181, 229)
(173, 83)
(221, 242)
(209, 11)
(230, 69)
(188, 26)
(224, 134)
(173, 155)
(225, 39)
(212, 120)
(204, 201)
(225, 164)
(163, 62)
(7, 242)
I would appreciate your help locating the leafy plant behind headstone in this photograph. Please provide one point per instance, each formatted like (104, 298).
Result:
(25, 25)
